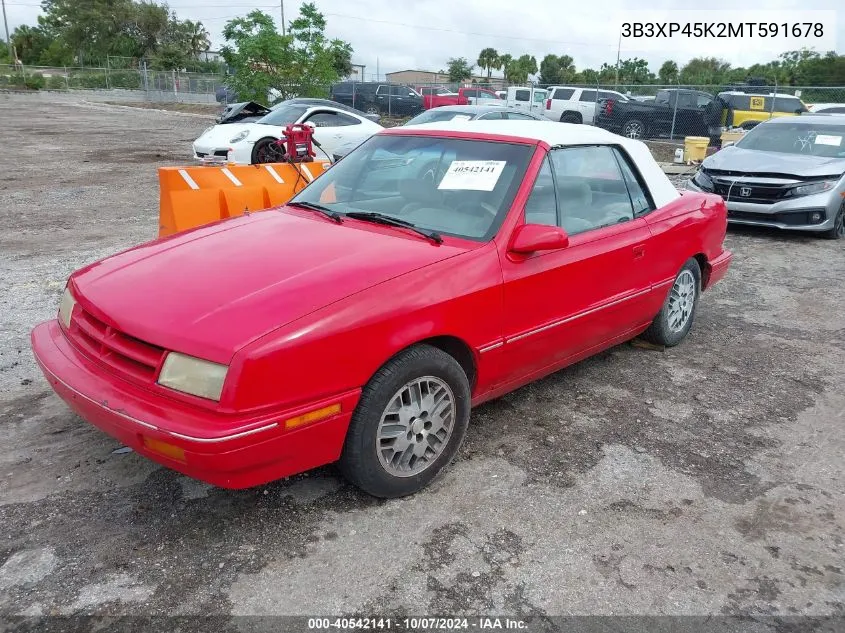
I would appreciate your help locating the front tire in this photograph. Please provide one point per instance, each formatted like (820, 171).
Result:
(673, 322)
(409, 423)
(266, 150)
(838, 230)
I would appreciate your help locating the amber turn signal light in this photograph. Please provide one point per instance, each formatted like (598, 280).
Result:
(312, 416)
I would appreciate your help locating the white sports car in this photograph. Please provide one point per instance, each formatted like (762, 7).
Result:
(252, 143)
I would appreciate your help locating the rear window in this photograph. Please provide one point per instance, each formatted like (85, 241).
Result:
(563, 93)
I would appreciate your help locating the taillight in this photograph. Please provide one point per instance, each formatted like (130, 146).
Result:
(608, 106)
(548, 104)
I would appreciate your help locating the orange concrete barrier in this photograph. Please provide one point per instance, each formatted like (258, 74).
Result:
(197, 195)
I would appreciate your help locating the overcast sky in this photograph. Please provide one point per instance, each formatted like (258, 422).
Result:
(423, 34)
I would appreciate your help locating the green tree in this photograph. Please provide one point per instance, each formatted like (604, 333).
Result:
(29, 42)
(505, 62)
(668, 73)
(301, 63)
(342, 58)
(92, 29)
(196, 37)
(704, 70)
(488, 59)
(556, 69)
(518, 70)
(458, 68)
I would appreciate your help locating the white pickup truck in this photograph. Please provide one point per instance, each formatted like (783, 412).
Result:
(527, 98)
(568, 104)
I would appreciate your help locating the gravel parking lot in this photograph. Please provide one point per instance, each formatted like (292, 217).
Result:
(704, 479)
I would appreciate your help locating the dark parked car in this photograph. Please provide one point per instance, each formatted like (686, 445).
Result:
(697, 114)
(225, 95)
(378, 98)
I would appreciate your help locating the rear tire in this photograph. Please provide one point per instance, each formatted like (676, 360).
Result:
(571, 117)
(409, 423)
(673, 322)
(634, 128)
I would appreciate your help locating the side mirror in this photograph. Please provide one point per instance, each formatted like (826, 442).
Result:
(311, 125)
(530, 238)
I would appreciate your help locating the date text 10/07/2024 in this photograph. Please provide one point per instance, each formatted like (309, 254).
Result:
(418, 624)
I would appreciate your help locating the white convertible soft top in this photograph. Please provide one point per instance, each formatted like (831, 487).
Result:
(662, 190)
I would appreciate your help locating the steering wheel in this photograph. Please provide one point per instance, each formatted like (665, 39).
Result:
(473, 208)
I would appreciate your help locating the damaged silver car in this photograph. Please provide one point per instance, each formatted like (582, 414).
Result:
(788, 172)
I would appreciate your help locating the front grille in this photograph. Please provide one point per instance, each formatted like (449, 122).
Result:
(794, 218)
(123, 353)
(750, 192)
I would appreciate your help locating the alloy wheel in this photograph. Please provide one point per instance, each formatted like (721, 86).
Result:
(633, 129)
(416, 426)
(681, 301)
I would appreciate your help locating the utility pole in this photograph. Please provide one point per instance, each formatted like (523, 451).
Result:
(8, 39)
(618, 51)
(282, 3)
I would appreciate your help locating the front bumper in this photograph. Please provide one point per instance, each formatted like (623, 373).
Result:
(792, 214)
(227, 450)
(240, 153)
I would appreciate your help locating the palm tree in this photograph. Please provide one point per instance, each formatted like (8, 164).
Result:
(505, 62)
(197, 38)
(489, 58)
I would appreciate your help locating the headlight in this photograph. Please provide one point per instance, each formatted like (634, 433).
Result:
(814, 187)
(703, 180)
(240, 136)
(193, 375)
(66, 307)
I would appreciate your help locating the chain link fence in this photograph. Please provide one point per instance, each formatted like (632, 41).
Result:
(664, 112)
(143, 83)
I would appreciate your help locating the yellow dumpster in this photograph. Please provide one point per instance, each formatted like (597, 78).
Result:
(695, 148)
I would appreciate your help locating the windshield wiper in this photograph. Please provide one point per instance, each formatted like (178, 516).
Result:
(319, 208)
(389, 220)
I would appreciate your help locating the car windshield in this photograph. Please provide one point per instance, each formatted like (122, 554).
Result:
(439, 114)
(284, 115)
(796, 138)
(455, 187)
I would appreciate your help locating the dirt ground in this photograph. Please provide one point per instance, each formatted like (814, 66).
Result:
(703, 480)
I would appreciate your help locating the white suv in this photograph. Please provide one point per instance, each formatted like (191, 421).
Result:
(576, 105)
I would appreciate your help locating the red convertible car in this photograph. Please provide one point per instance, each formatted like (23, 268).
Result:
(430, 270)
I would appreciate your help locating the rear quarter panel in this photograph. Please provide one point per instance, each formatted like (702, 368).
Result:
(694, 224)
(341, 346)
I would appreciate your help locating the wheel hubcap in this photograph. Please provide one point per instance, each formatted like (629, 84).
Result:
(681, 301)
(416, 426)
(633, 130)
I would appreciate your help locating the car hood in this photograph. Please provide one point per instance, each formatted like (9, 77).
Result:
(756, 162)
(222, 135)
(210, 291)
(240, 111)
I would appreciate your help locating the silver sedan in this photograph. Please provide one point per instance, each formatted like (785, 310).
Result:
(788, 172)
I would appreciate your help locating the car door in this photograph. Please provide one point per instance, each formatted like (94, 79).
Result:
(521, 98)
(587, 105)
(382, 98)
(563, 304)
(333, 129)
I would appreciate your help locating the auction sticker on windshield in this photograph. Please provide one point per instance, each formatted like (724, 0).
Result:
(474, 175)
(828, 139)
